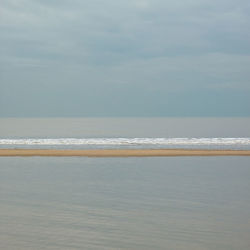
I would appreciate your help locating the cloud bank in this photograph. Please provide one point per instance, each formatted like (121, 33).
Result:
(124, 58)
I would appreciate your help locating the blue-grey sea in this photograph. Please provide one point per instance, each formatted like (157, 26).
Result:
(125, 203)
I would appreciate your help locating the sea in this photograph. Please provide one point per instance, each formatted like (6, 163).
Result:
(125, 203)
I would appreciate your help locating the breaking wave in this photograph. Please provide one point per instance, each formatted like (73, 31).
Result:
(129, 141)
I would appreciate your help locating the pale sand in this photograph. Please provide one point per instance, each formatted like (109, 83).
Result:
(122, 152)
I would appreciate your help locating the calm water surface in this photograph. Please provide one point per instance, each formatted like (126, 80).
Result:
(124, 127)
(125, 203)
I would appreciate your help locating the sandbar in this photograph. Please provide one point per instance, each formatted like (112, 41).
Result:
(122, 152)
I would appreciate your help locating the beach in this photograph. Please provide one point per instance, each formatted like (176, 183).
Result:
(122, 152)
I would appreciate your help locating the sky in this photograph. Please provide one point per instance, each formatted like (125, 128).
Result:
(76, 58)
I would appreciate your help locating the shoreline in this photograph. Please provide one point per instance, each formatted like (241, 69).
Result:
(121, 152)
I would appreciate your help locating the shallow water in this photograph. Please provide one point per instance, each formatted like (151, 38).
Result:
(125, 203)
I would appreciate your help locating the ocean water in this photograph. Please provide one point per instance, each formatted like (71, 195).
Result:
(124, 203)
(87, 133)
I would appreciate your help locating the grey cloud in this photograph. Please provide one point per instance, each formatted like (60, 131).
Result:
(122, 28)
(141, 48)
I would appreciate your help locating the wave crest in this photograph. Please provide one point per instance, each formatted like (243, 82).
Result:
(127, 141)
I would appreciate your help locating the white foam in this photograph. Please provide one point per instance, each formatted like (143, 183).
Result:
(128, 141)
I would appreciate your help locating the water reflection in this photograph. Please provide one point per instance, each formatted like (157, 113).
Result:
(124, 203)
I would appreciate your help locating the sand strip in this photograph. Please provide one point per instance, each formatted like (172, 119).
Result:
(122, 152)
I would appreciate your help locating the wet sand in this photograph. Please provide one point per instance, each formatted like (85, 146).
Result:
(122, 152)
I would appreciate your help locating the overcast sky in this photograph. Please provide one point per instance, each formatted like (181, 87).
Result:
(124, 58)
